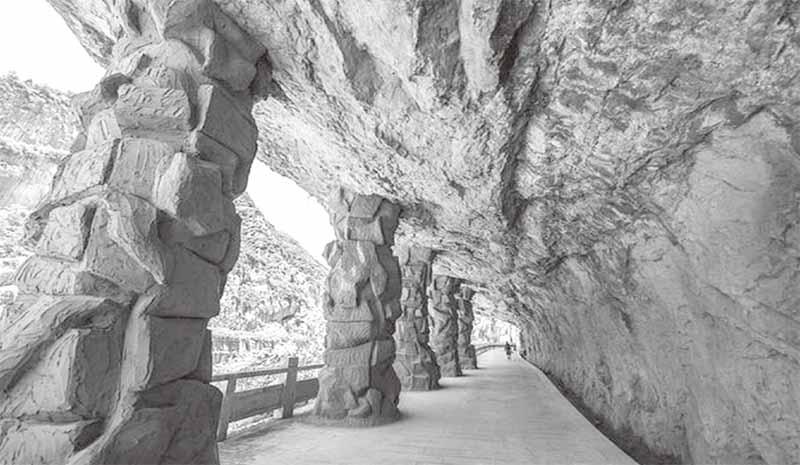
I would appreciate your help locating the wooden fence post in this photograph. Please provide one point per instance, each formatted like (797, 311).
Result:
(225, 411)
(290, 388)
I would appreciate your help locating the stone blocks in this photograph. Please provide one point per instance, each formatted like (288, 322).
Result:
(191, 191)
(40, 275)
(66, 232)
(192, 289)
(415, 363)
(143, 110)
(444, 319)
(162, 349)
(106, 258)
(172, 424)
(44, 321)
(466, 317)
(358, 384)
(83, 170)
(71, 383)
(29, 442)
(226, 135)
(136, 167)
(110, 360)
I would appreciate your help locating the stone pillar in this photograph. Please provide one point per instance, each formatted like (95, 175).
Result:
(444, 324)
(466, 317)
(415, 363)
(110, 360)
(358, 385)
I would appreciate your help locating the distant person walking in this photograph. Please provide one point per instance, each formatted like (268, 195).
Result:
(508, 351)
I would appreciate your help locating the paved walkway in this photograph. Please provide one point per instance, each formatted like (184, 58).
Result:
(505, 413)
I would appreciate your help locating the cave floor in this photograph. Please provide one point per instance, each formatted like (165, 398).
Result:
(506, 412)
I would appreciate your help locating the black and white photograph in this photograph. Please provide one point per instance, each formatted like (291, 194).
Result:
(400, 232)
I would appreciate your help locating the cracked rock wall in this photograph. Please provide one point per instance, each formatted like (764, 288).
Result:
(619, 177)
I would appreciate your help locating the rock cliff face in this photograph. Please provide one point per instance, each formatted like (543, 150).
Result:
(271, 305)
(620, 177)
(274, 280)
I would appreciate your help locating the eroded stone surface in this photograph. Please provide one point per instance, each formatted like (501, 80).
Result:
(444, 323)
(67, 231)
(415, 364)
(35, 442)
(109, 359)
(174, 423)
(358, 384)
(466, 317)
(83, 170)
(72, 381)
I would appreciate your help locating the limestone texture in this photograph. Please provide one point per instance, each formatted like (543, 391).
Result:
(466, 319)
(619, 178)
(415, 364)
(108, 358)
(444, 323)
(358, 385)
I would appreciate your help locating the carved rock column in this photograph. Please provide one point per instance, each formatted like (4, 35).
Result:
(466, 317)
(415, 363)
(110, 359)
(358, 384)
(444, 324)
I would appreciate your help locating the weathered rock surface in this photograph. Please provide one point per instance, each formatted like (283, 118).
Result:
(444, 323)
(358, 384)
(131, 256)
(620, 177)
(415, 364)
(466, 319)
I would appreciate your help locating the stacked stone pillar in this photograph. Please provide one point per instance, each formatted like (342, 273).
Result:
(416, 362)
(444, 323)
(358, 385)
(466, 317)
(110, 360)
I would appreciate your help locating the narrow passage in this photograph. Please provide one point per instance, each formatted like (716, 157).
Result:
(505, 413)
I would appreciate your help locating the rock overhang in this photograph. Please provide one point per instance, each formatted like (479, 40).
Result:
(514, 134)
(561, 156)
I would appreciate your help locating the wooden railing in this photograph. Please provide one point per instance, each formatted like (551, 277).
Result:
(245, 404)
(487, 347)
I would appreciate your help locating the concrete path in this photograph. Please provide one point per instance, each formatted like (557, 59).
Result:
(505, 413)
